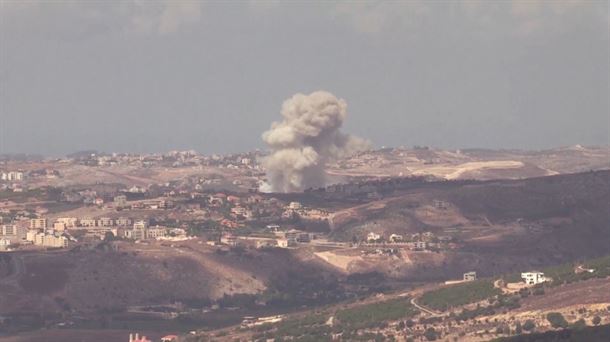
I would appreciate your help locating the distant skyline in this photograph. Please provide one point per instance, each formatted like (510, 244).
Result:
(155, 76)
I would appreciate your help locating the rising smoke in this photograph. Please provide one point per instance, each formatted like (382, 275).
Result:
(305, 140)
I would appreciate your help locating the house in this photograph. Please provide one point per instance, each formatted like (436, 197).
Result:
(396, 238)
(373, 237)
(241, 211)
(421, 244)
(217, 199)
(470, 276)
(120, 201)
(265, 243)
(533, 277)
(273, 227)
(294, 205)
(303, 238)
(233, 199)
(285, 243)
(229, 240)
(137, 190)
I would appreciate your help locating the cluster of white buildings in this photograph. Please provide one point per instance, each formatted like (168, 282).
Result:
(12, 234)
(283, 239)
(63, 223)
(12, 176)
(295, 209)
(40, 232)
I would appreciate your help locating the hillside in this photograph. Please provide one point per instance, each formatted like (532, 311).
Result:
(498, 226)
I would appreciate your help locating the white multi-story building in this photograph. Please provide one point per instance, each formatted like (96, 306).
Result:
(88, 222)
(155, 232)
(38, 223)
(470, 276)
(69, 222)
(59, 226)
(140, 224)
(12, 176)
(120, 201)
(50, 240)
(533, 277)
(13, 233)
(105, 222)
(123, 222)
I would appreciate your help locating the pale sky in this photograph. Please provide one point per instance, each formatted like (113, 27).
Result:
(154, 76)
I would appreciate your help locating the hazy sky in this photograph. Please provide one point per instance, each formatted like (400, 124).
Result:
(147, 76)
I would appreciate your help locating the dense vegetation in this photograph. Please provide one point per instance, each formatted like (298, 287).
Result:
(372, 315)
(460, 294)
(599, 333)
(564, 274)
(350, 323)
(557, 320)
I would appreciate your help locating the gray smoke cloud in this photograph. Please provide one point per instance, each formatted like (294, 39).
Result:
(305, 140)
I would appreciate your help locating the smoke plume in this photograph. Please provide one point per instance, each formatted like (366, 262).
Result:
(305, 140)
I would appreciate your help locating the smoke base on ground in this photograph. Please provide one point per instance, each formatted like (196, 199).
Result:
(307, 138)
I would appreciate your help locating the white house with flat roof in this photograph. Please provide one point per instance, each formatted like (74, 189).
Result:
(533, 277)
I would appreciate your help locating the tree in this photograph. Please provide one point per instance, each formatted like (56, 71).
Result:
(401, 326)
(580, 324)
(430, 334)
(597, 320)
(529, 325)
(518, 328)
(557, 320)
(108, 236)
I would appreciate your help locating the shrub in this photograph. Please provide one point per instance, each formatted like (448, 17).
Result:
(557, 320)
(597, 320)
(518, 328)
(579, 324)
(529, 325)
(430, 334)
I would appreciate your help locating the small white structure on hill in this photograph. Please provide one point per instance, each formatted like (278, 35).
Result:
(373, 237)
(533, 277)
(470, 276)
